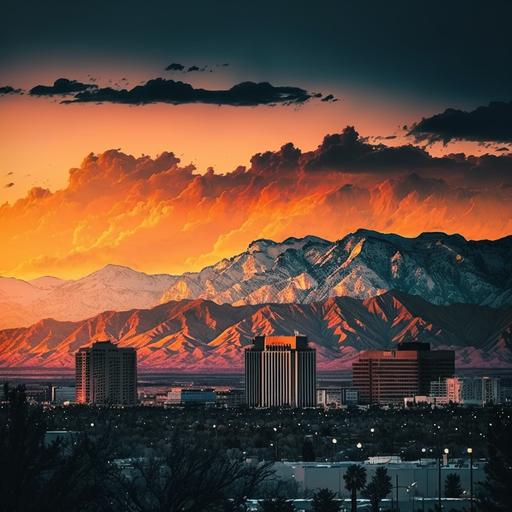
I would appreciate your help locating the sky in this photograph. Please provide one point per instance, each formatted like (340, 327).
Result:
(166, 136)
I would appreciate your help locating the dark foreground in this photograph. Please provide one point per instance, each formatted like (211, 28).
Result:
(212, 459)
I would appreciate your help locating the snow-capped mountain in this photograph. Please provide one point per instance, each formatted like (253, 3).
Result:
(442, 269)
(113, 287)
(200, 334)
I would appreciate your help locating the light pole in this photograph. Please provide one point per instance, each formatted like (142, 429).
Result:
(334, 441)
(359, 446)
(275, 442)
(412, 491)
(470, 453)
(409, 488)
(439, 502)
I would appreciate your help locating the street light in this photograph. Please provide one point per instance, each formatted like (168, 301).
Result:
(446, 451)
(423, 451)
(470, 453)
(334, 441)
(276, 445)
(412, 489)
(408, 488)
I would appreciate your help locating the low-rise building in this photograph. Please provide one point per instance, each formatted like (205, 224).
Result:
(63, 394)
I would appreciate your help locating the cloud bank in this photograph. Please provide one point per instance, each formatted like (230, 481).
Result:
(61, 86)
(161, 90)
(491, 123)
(156, 214)
(8, 89)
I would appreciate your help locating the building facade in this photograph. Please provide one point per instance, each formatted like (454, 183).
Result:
(188, 396)
(280, 371)
(388, 376)
(106, 375)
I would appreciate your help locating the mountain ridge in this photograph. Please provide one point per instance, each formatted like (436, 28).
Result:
(197, 334)
(442, 268)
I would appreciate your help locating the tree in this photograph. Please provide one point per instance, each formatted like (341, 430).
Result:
(325, 501)
(308, 453)
(190, 477)
(277, 505)
(355, 480)
(452, 488)
(496, 490)
(378, 488)
(37, 476)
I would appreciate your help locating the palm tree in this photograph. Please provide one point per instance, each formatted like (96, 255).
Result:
(325, 501)
(452, 488)
(355, 480)
(378, 488)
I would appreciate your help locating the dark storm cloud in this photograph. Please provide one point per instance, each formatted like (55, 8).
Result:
(488, 123)
(61, 86)
(160, 90)
(287, 158)
(7, 89)
(347, 150)
(175, 66)
(451, 50)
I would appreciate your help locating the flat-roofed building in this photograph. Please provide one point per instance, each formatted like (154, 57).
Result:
(280, 371)
(329, 397)
(106, 375)
(388, 376)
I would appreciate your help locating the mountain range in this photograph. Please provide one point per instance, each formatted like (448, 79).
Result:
(440, 268)
(201, 334)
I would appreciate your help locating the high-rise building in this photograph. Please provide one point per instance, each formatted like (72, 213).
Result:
(388, 376)
(106, 375)
(280, 371)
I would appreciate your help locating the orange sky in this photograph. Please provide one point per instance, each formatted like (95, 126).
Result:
(158, 216)
(43, 139)
(173, 220)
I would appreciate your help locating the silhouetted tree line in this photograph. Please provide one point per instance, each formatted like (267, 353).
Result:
(81, 476)
(186, 470)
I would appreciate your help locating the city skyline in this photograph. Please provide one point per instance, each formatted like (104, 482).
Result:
(257, 256)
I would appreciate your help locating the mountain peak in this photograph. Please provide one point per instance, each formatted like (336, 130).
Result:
(438, 267)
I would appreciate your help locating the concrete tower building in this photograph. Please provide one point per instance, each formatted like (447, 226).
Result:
(388, 376)
(280, 371)
(106, 374)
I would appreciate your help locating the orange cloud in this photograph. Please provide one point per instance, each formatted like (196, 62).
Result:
(157, 216)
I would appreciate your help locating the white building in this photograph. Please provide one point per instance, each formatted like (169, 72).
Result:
(280, 371)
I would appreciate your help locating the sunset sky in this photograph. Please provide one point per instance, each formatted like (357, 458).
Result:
(389, 70)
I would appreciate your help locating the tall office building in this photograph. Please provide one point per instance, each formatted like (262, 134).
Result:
(280, 371)
(388, 376)
(106, 374)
